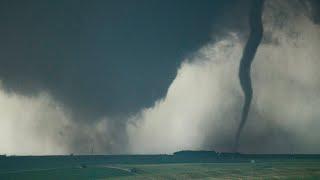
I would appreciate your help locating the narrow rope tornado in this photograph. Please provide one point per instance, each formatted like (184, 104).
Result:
(256, 32)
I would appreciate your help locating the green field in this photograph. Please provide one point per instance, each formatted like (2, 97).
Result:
(298, 169)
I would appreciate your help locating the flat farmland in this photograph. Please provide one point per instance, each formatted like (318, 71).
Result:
(250, 169)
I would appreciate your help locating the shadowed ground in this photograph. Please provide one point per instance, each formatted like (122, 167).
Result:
(251, 169)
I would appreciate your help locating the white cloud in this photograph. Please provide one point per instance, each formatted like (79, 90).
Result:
(286, 76)
(39, 125)
(31, 125)
(202, 106)
(203, 87)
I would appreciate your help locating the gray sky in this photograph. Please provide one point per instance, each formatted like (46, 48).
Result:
(154, 76)
(101, 57)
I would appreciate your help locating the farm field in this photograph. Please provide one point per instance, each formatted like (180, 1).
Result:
(269, 169)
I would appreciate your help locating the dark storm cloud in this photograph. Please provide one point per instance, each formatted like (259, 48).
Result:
(101, 57)
(314, 9)
(100, 61)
